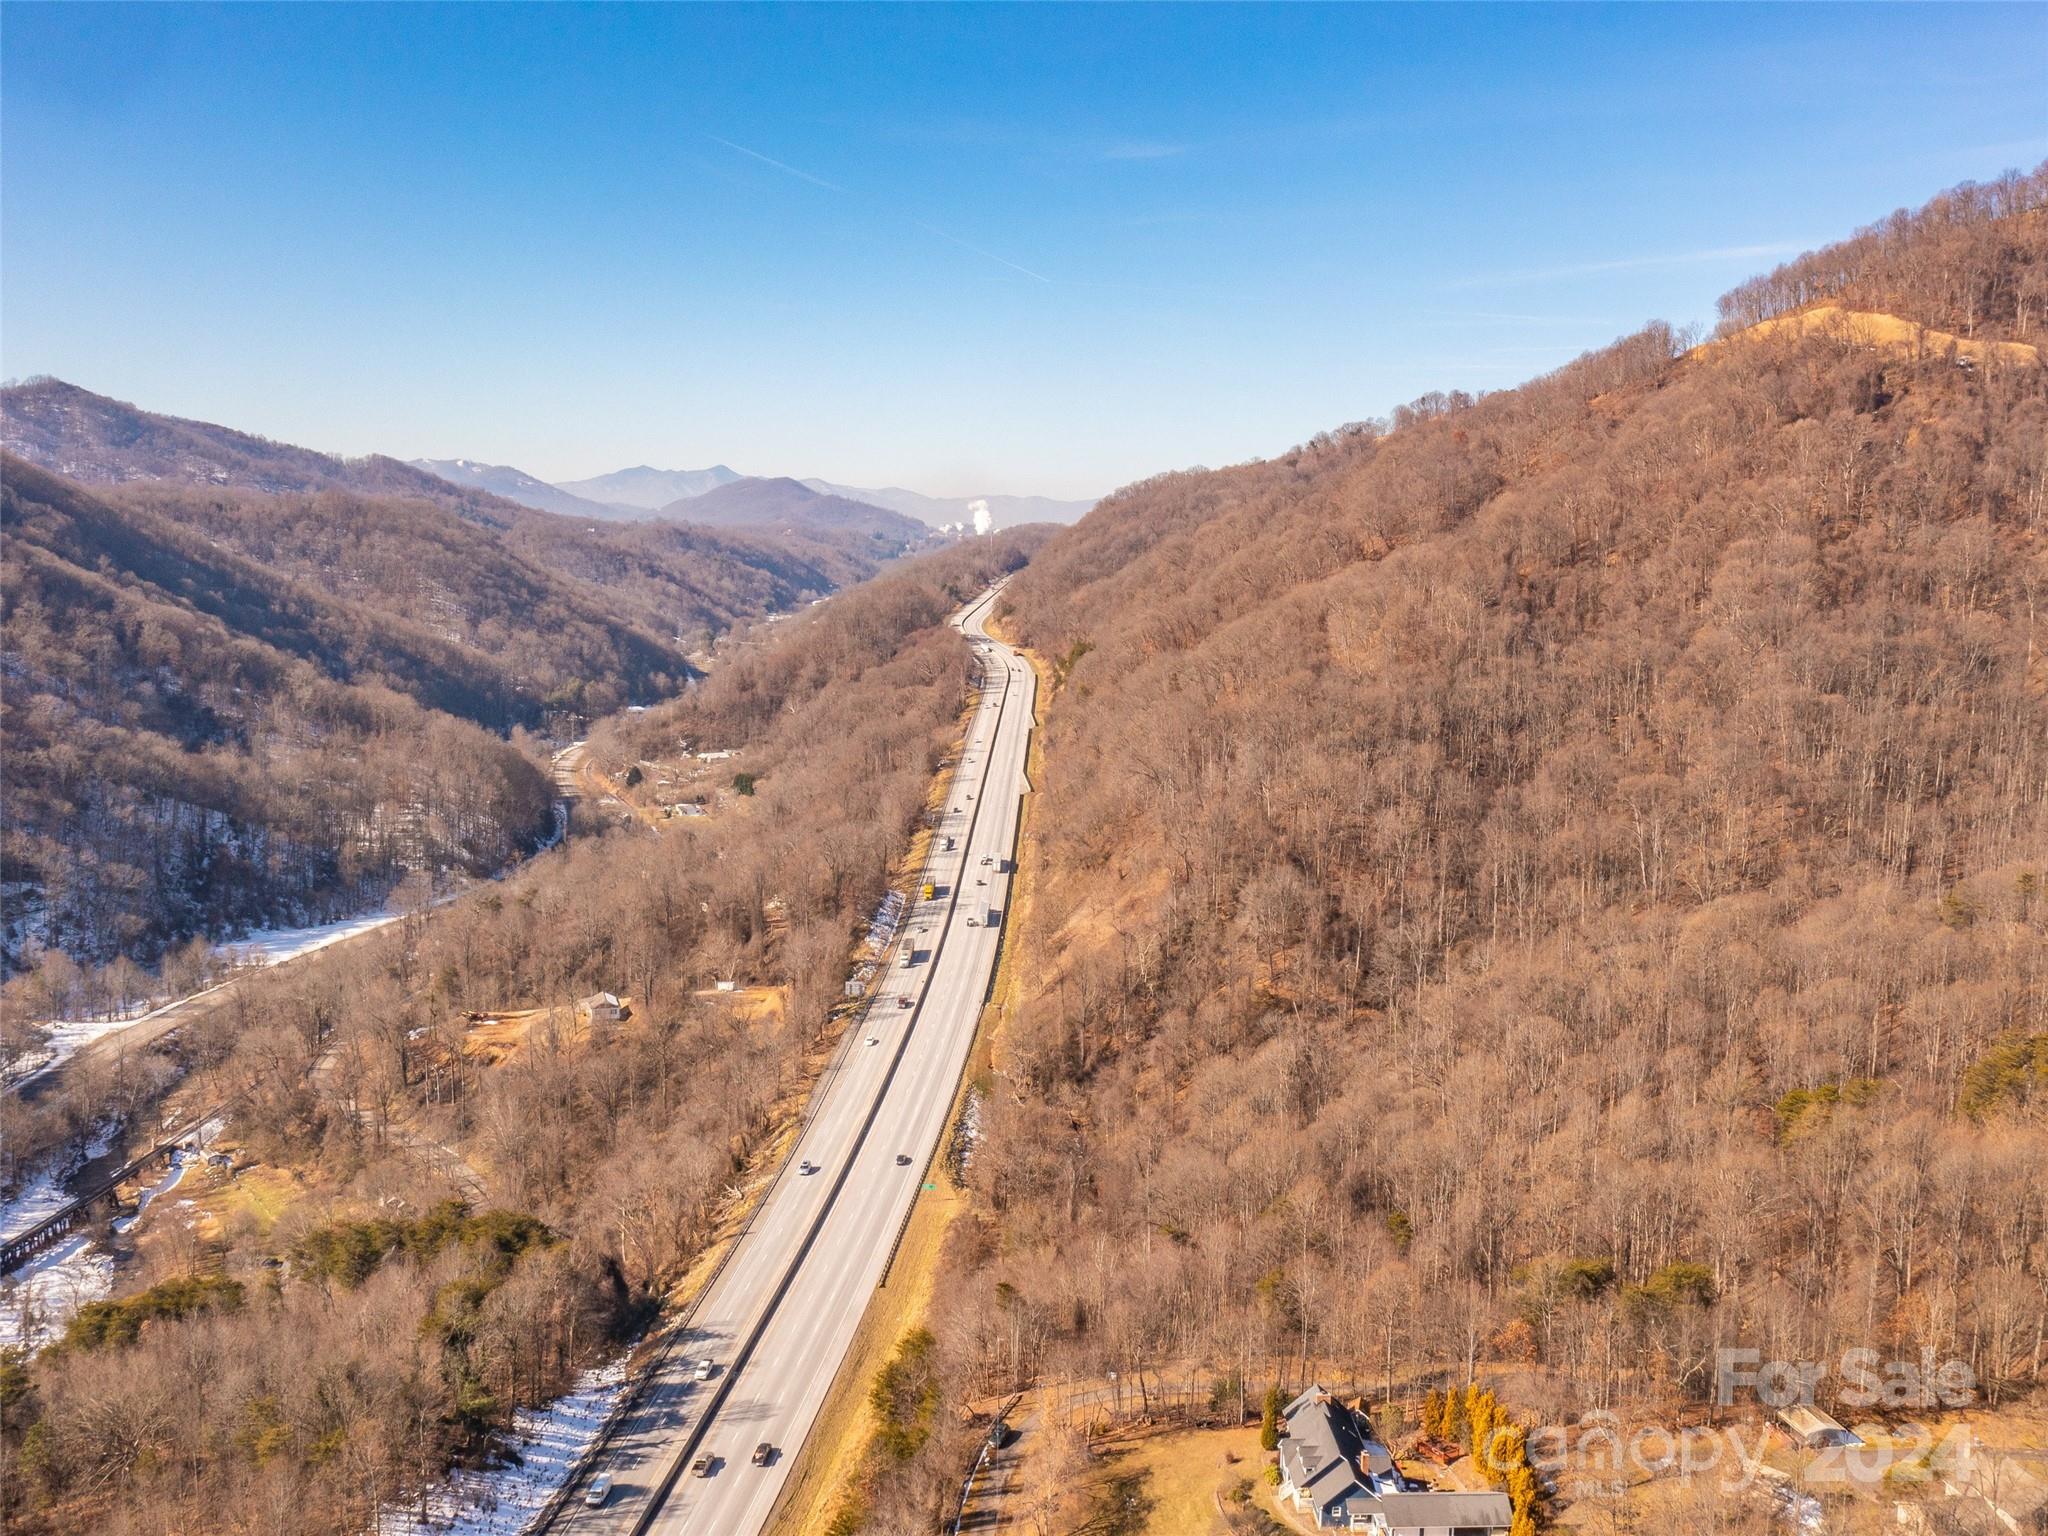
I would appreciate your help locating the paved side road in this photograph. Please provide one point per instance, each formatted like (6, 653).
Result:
(781, 1314)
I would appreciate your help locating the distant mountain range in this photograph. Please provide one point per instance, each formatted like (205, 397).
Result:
(517, 485)
(91, 438)
(647, 488)
(644, 491)
(942, 510)
(248, 682)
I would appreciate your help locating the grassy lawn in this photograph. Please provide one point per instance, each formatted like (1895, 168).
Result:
(1165, 1484)
(248, 1204)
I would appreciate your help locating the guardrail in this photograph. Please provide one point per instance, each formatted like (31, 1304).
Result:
(650, 1372)
(695, 1438)
(804, 1467)
(959, 1082)
(645, 1378)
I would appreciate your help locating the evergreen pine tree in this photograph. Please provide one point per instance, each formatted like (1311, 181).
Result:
(1269, 1420)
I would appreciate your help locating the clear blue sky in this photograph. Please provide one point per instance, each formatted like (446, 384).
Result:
(1041, 249)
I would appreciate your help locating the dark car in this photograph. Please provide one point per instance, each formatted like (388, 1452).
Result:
(763, 1454)
(902, 1159)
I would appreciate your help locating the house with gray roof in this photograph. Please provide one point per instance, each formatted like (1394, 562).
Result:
(1334, 1470)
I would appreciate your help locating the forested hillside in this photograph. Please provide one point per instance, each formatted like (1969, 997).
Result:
(195, 743)
(91, 438)
(785, 503)
(1553, 879)
(244, 676)
(679, 584)
(339, 1352)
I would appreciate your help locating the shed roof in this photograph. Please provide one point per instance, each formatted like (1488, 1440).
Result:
(1438, 1511)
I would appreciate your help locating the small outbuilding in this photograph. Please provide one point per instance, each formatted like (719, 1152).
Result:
(600, 1008)
(1814, 1429)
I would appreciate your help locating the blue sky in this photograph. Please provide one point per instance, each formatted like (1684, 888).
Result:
(1043, 249)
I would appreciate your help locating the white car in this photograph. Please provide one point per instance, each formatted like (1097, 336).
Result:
(706, 1369)
(873, 1040)
(599, 1490)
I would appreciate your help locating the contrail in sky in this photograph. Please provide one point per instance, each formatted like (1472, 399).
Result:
(991, 255)
(833, 186)
(787, 170)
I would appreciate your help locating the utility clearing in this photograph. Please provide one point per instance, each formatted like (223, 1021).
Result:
(1870, 329)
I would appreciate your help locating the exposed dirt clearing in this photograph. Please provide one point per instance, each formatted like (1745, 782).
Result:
(1874, 330)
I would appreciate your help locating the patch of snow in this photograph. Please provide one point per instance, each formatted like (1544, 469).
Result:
(44, 1194)
(65, 1038)
(271, 946)
(38, 1299)
(1801, 1511)
(182, 1162)
(550, 1442)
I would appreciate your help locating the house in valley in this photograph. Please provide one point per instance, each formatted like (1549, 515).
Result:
(1333, 1470)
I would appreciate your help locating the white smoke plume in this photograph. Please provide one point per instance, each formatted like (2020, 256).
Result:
(984, 521)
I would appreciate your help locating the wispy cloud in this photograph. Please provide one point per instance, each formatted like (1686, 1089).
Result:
(787, 170)
(1724, 253)
(1005, 261)
(1143, 149)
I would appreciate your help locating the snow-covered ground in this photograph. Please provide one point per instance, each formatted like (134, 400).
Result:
(45, 1194)
(37, 1300)
(550, 1443)
(966, 1132)
(63, 1039)
(269, 946)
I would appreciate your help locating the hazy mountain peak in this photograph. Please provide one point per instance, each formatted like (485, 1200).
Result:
(528, 490)
(647, 488)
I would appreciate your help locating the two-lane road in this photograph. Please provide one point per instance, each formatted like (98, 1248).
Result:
(781, 1314)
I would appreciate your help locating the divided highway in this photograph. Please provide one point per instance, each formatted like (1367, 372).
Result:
(780, 1315)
